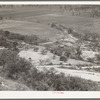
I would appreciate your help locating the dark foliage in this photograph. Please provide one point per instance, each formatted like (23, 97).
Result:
(21, 70)
(6, 36)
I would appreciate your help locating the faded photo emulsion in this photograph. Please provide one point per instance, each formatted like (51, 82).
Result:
(49, 47)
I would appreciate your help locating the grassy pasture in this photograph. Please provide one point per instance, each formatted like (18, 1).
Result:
(29, 28)
(34, 20)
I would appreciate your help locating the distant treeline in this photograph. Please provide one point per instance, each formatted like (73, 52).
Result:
(76, 10)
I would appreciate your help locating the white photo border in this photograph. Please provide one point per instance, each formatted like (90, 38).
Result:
(49, 94)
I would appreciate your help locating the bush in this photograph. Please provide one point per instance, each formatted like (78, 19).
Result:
(44, 51)
(63, 58)
(70, 30)
(98, 58)
(91, 60)
(13, 66)
(51, 80)
(36, 49)
(19, 69)
(33, 39)
(8, 56)
(61, 63)
(97, 69)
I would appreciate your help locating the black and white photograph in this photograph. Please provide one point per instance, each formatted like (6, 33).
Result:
(49, 47)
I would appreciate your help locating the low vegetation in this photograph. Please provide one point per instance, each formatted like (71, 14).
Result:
(10, 40)
(21, 70)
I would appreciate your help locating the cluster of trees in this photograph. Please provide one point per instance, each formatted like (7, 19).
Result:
(74, 33)
(95, 13)
(96, 59)
(8, 43)
(11, 40)
(90, 11)
(44, 51)
(91, 36)
(34, 39)
(12, 64)
(81, 10)
(20, 70)
(92, 39)
(63, 52)
(29, 39)
(86, 36)
(66, 52)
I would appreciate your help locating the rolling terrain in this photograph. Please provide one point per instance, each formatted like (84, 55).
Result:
(35, 20)
(46, 38)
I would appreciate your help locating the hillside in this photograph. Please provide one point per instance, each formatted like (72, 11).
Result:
(49, 48)
(36, 20)
(10, 85)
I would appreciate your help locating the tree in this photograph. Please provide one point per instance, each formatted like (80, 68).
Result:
(43, 51)
(15, 44)
(18, 69)
(7, 56)
(1, 18)
(70, 30)
(3, 41)
(86, 36)
(36, 49)
(63, 58)
(31, 39)
(95, 13)
(13, 66)
(7, 33)
(78, 49)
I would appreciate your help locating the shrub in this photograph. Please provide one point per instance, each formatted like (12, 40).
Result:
(13, 66)
(21, 70)
(63, 58)
(98, 58)
(36, 49)
(91, 60)
(97, 69)
(51, 80)
(70, 30)
(61, 63)
(43, 51)
(17, 69)
(7, 56)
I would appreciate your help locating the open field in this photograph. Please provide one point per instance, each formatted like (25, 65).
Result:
(29, 28)
(38, 20)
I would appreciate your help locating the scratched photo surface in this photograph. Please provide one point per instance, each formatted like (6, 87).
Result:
(50, 48)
